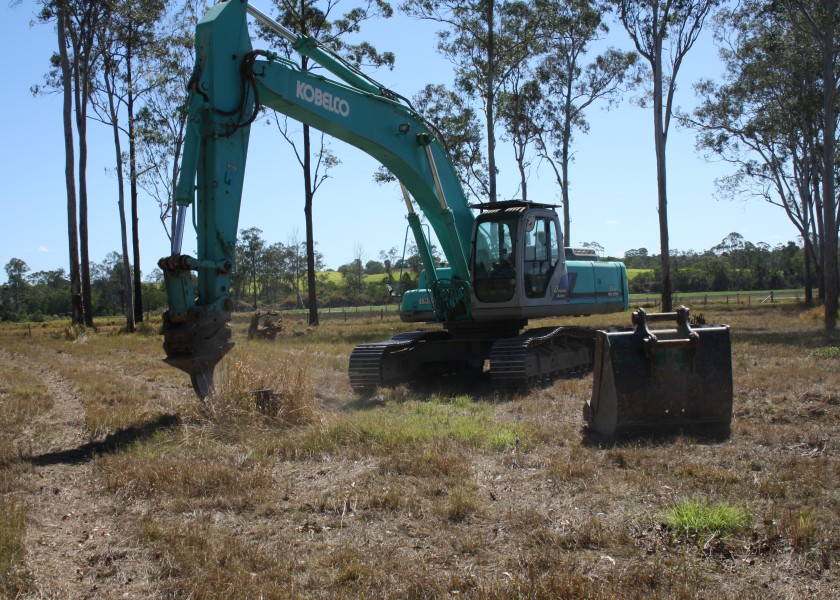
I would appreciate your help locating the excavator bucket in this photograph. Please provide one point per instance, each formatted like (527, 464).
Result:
(661, 380)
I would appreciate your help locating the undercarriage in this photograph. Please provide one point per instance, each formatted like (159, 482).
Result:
(516, 359)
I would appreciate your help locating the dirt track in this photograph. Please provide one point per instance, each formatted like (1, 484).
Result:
(76, 547)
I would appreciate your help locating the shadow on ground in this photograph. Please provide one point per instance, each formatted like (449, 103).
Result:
(112, 443)
(704, 435)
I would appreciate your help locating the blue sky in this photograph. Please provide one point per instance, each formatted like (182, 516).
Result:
(613, 180)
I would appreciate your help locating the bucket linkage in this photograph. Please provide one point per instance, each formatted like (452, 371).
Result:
(661, 380)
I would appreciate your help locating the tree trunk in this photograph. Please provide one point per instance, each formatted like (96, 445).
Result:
(564, 165)
(817, 238)
(310, 235)
(254, 279)
(659, 142)
(809, 292)
(830, 273)
(132, 166)
(77, 309)
(115, 127)
(491, 98)
(129, 310)
(81, 49)
(523, 176)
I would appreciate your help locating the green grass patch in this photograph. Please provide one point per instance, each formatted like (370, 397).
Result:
(697, 516)
(633, 273)
(412, 423)
(829, 352)
(338, 278)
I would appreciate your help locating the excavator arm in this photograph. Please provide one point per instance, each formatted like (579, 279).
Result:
(229, 84)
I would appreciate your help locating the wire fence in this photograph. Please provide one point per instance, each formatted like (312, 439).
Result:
(696, 299)
(704, 299)
(391, 311)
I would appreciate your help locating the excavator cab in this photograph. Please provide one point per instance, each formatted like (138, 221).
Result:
(520, 270)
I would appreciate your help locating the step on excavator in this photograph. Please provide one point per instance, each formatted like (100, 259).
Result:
(507, 262)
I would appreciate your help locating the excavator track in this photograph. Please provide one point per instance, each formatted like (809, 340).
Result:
(539, 354)
(368, 361)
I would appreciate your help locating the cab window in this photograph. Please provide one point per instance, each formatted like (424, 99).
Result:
(542, 253)
(494, 260)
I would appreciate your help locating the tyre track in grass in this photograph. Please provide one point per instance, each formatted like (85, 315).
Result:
(75, 544)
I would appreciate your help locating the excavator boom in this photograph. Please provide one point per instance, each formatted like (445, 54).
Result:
(229, 84)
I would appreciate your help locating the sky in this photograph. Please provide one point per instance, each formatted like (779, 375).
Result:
(612, 179)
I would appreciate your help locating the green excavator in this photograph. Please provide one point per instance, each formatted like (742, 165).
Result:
(506, 261)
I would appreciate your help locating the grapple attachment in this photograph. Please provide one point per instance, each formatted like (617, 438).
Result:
(659, 380)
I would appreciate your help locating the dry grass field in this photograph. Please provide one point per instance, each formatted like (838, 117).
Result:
(115, 482)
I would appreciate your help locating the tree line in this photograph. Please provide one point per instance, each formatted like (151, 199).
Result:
(524, 73)
(37, 296)
(274, 275)
(734, 264)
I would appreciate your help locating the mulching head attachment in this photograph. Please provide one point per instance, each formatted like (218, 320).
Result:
(661, 380)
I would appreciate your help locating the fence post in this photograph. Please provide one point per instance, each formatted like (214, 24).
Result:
(344, 312)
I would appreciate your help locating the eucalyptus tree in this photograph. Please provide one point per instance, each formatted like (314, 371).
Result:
(250, 257)
(126, 29)
(353, 272)
(519, 100)
(162, 119)
(132, 36)
(663, 32)
(272, 271)
(820, 19)
(66, 84)
(569, 84)
(459, 129)
(764, 119)
(85, 17)
(108, 108)
(320, 19)
(16, 270)
(73, 71)
(486, 41)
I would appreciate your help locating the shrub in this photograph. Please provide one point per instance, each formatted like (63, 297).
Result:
(283, 391)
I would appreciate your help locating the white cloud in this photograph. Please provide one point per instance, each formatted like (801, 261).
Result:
(612, 222)
(43, 249)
